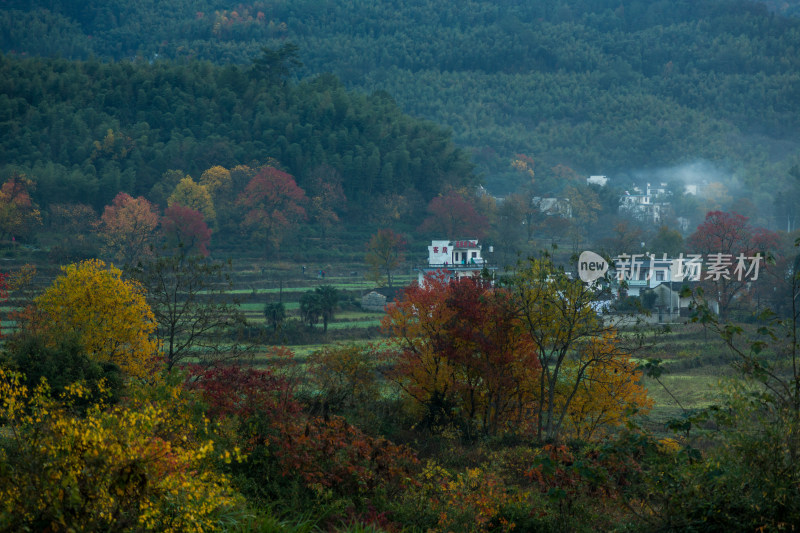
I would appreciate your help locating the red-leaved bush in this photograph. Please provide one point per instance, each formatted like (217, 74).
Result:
(334, 454)
(244, 392)
(322, 453)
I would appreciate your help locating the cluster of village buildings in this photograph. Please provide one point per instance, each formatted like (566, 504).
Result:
(665, 277)
(636, 275)
(646, 274)
(650, 204)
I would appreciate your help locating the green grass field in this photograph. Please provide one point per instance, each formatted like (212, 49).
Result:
(695, 362)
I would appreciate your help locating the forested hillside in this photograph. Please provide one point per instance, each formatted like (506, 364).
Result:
(600, 86)
(86, 130)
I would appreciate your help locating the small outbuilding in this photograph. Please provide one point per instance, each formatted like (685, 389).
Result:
(373, 301)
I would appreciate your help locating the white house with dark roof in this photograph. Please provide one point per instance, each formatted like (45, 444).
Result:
(459, 258)
(666, 276)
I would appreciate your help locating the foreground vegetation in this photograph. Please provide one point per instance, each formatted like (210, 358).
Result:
(452, 423)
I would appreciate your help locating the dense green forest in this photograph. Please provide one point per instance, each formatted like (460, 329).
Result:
(86, 130)
(602, 87)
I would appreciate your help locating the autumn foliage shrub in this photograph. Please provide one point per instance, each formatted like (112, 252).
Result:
(473, 500)
(568, 488)
(476, 499)
(334, 455)
(346, 375)
(253, 399)
(295, 458)
(61, 365)
(143, 466)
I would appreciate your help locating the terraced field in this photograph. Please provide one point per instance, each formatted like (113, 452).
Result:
(695, 361)
(253, 286)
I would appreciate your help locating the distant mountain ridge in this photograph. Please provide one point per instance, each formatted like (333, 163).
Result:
(601, 86)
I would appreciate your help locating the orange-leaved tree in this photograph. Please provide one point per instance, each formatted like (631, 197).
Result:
(107, 314)
(461, 352)
(128, 227)
(18, 213)
(609, 392)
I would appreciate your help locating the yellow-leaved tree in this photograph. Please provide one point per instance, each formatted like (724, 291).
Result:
(189, 193)
(609, 392)
(108, 315)
(216, 180)
(588, 381)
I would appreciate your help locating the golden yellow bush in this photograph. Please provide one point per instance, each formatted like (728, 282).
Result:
(117, 469)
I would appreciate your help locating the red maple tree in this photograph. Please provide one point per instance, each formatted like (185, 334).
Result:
(185, 226)
(728, 242)
(461, 349)
(453, 216)
(274, 203)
